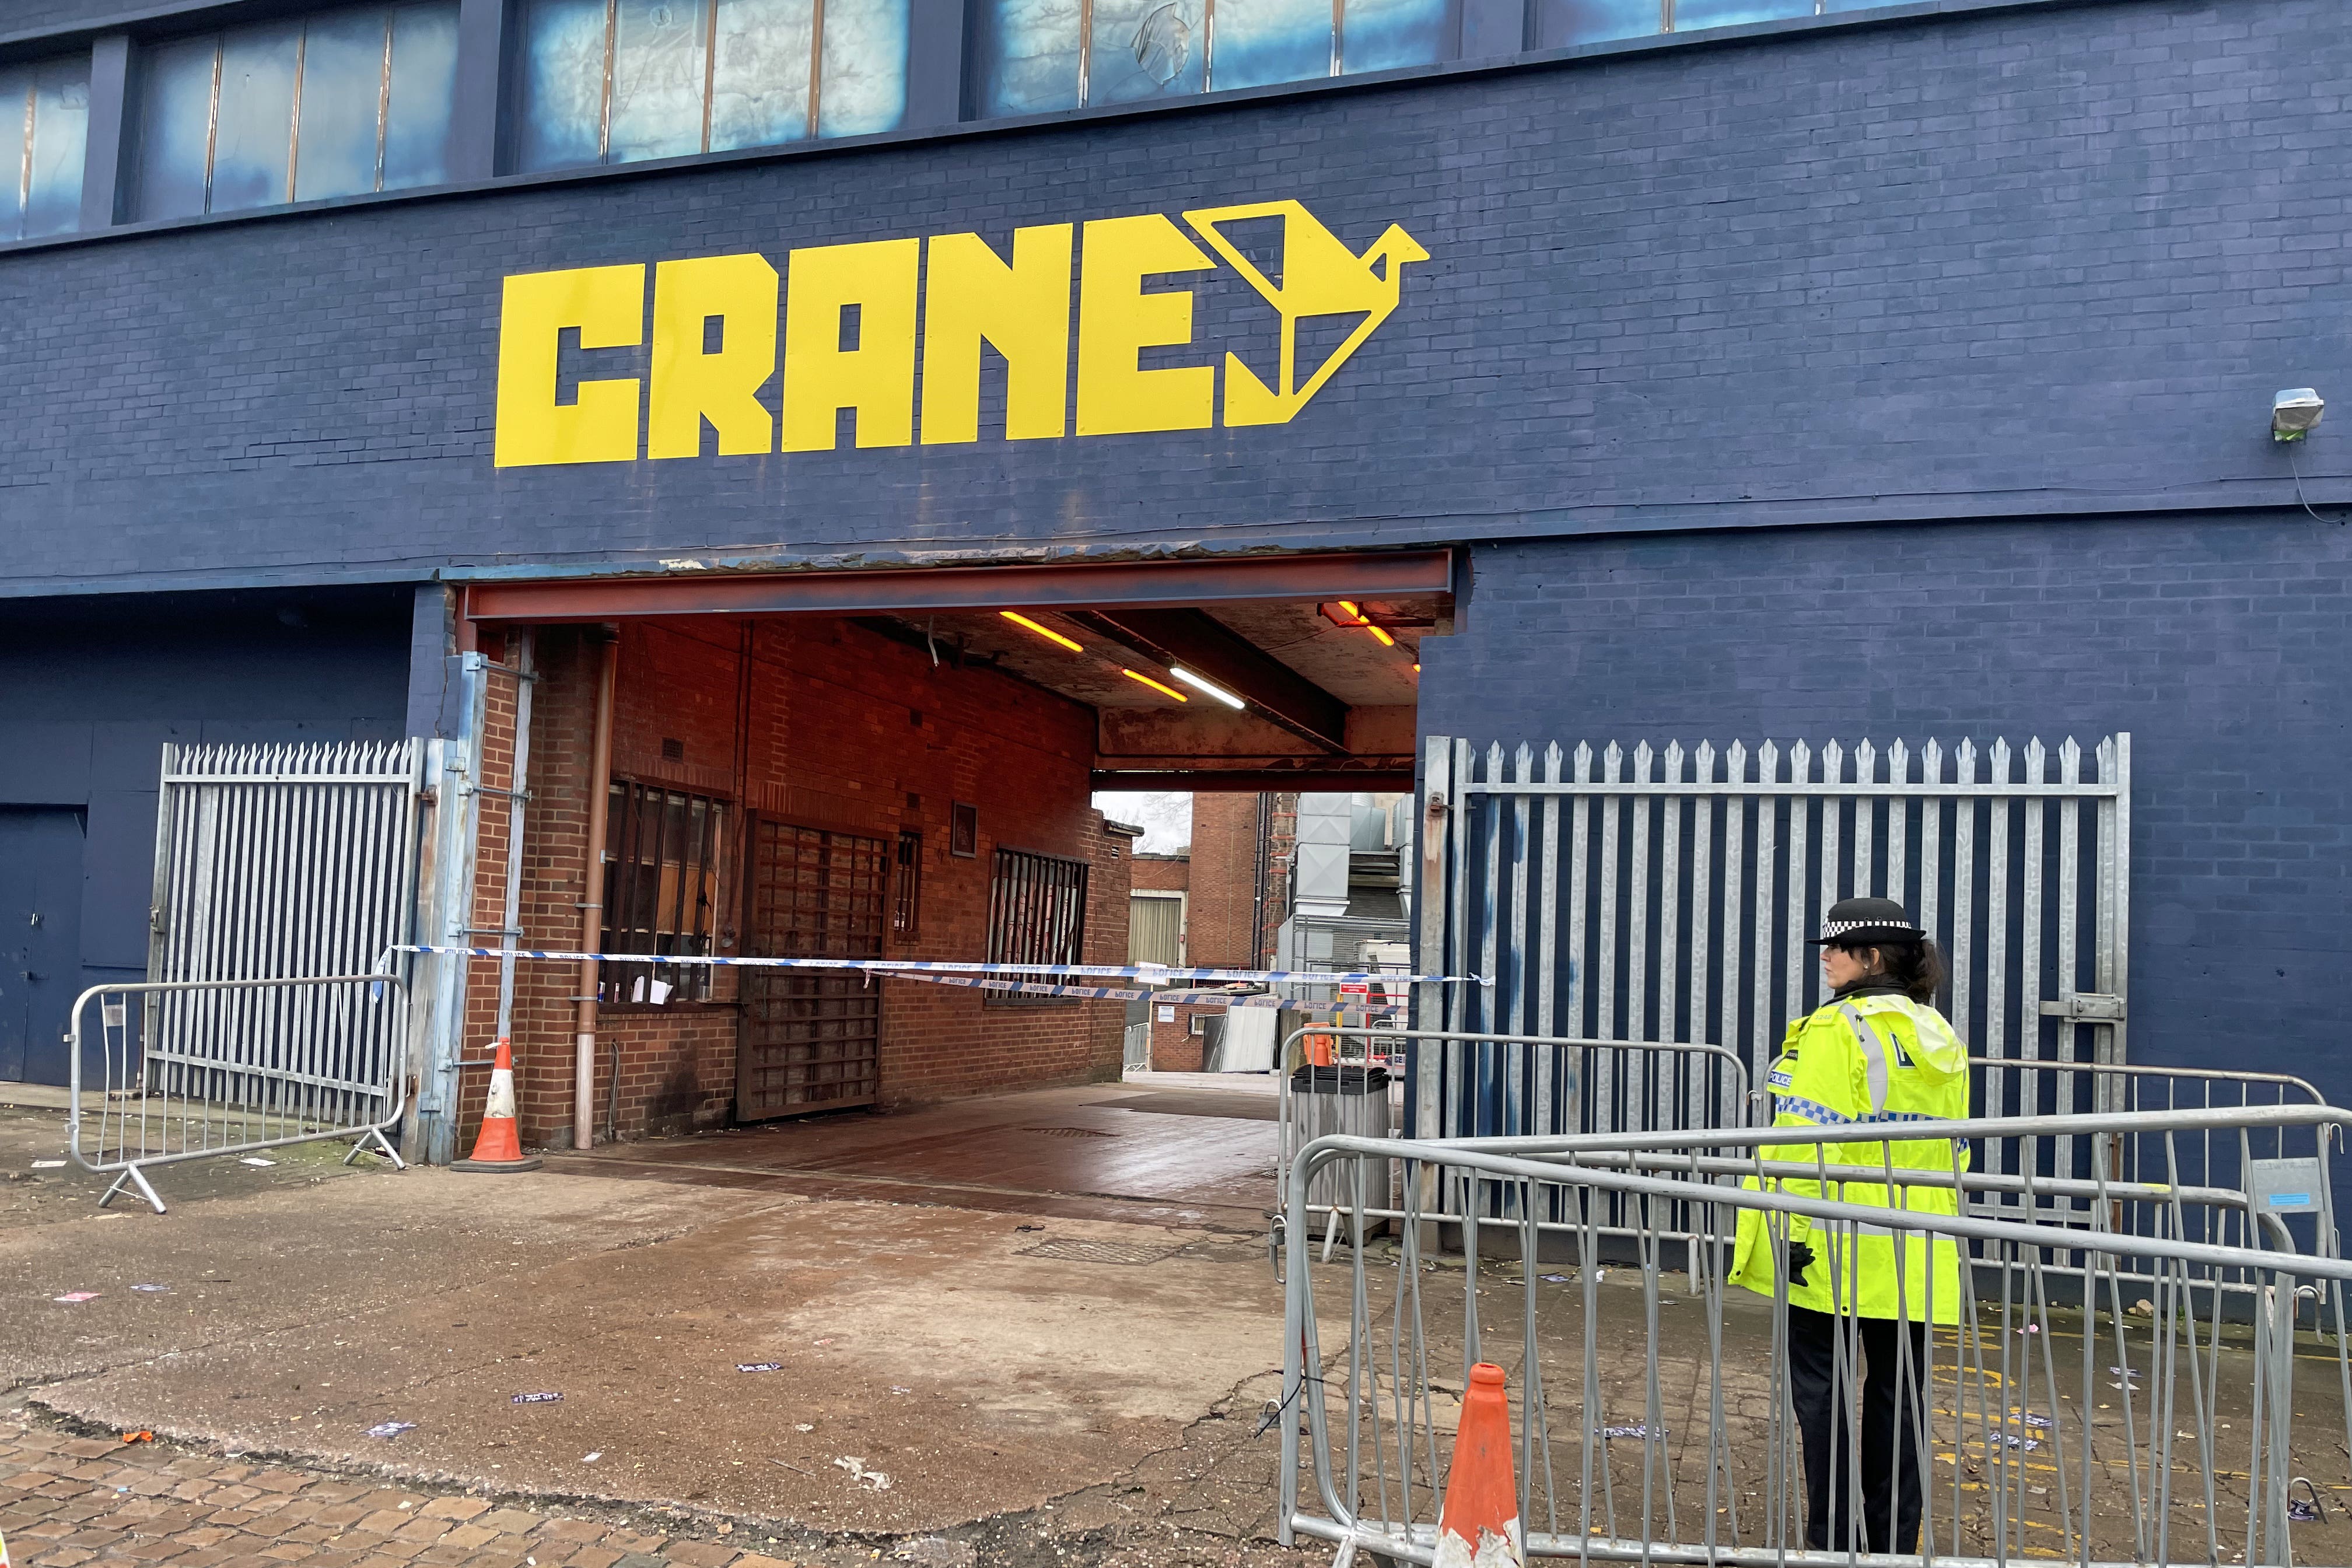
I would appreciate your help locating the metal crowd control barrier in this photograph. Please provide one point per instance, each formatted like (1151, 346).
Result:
(1656, 1086)
(2077, 1393)
(231, 1067)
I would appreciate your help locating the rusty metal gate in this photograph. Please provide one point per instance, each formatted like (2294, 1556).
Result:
(811, 1039)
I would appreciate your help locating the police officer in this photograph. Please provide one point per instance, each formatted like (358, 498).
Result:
(1876, 1052)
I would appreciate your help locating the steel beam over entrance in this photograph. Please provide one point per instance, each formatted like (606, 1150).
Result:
(1095, 585)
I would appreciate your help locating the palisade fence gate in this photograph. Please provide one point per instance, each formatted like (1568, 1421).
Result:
(1670, 894)
(283, 874)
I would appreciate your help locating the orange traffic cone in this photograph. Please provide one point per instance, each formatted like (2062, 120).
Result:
(499, 1146)
(1479, 1524)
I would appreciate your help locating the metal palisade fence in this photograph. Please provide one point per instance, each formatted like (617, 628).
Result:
(1668, 894)
(284, 877)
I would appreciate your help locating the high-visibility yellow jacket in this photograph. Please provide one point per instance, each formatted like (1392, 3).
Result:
(1856, 1066)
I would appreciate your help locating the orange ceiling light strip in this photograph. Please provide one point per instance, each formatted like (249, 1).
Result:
(1155, 686)
(1048, 633)
(1365, 621)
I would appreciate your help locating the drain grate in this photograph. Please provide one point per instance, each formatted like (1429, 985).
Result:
(1071, 1132)
(1078, 1249)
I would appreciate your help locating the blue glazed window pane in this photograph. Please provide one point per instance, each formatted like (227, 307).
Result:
(1263, 41)
(761, 73)
(862, 79)
(253, 142)
(658, 80)
(1148, 48)
(342, 97)
(1690, 15)
(1029, 56)
(1390, 35)
(60, 135)
(175, 109)
(1564, 23)
(16, 105)
(564, 84)
(423, 96)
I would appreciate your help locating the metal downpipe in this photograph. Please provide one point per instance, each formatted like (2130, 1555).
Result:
(591, 902)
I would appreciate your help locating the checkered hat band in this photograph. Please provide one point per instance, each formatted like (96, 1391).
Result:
(1838, 927)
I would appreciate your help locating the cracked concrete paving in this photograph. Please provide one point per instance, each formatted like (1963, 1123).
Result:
(1028, 1406)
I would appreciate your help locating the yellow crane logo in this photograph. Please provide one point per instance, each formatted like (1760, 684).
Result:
(781, 376)
(1320, 276)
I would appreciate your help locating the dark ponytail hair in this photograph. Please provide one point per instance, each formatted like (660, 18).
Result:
(1915, 966)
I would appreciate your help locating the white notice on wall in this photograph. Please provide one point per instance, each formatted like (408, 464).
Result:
(1168, 1014)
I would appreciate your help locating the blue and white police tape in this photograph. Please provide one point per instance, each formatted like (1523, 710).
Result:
(1114, 994)
(905, 967)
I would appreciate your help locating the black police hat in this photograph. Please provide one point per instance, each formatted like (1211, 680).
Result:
(1859, 922)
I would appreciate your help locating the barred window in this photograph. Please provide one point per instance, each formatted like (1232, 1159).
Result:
(907, 897)
(1036, 913)
(661, 890)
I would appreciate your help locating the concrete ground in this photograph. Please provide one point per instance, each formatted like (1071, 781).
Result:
(1034, 1328)
(1029, 1329)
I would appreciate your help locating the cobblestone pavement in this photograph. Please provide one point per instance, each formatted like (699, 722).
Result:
(67, 1501)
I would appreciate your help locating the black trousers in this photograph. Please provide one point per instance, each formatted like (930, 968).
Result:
(1891, 1416)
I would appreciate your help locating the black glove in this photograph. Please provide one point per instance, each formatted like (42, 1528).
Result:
(1800, 1257)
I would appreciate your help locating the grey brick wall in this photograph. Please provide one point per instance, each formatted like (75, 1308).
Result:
(2041, 261)
(2216, 641)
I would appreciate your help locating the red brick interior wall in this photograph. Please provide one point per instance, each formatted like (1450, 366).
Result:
(831, 725)
(1221, 922)
(1282, 848)
(1161, 873)
(1175, 1047)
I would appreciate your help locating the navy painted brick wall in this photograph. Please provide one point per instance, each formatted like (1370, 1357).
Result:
(2048, 259)
(92, 689)
(2220, 643)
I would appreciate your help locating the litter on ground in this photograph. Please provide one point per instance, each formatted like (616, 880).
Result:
(859, 1473)
(758, 1366)
(77, 1296)
(48, 1164)
(256, 1160)
(537, 1398)
(391, 1428)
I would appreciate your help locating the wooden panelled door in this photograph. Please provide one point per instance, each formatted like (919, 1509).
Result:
(810, 1039)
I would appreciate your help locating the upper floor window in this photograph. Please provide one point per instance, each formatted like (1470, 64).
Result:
(614, 81)
(44, 125)
(329, 105)
(1563, 23)
(1040, 55)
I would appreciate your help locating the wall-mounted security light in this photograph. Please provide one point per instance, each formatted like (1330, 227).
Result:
(2295, 413)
